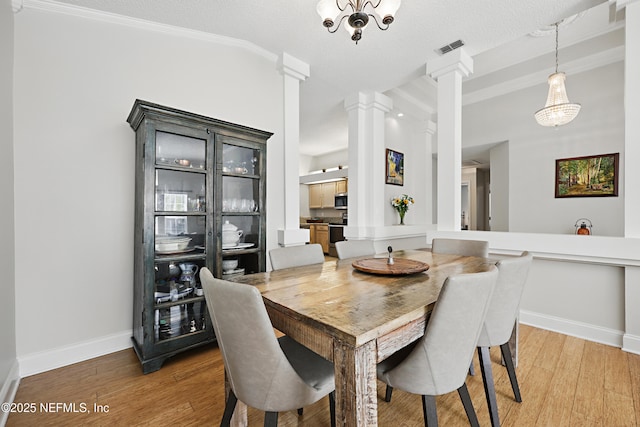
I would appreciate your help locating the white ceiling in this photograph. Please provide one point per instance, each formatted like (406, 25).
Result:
(495, 32)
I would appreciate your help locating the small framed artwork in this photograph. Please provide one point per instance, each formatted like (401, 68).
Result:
(395, 168)
(589, 176)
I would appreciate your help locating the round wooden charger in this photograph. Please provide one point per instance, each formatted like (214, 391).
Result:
(400, 266)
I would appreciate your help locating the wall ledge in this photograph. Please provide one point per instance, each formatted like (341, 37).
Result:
(386, 232)
(616, 251)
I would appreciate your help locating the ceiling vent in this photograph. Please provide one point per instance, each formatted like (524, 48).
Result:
(451, 46)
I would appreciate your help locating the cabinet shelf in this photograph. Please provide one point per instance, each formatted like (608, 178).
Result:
(180, 213)
(225, 213)
(234, 252)
(240, 175)
(163, 166)
(169, 304)
(178, 257)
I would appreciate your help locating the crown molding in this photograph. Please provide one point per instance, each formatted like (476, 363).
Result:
(112, 18)
(17, 5)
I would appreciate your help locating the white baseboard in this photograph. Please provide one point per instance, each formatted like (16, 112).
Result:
(573, 328)
(631, 343)
(8, 390)
(35, 363)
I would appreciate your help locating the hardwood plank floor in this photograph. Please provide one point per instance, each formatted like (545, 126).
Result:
(564, 381)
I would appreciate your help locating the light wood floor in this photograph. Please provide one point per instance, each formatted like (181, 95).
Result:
(564, 381)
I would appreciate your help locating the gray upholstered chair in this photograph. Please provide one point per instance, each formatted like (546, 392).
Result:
(437, 363)
(354, 248)
(296, 256)
(499, 323)
(267, 373)
(479, 248)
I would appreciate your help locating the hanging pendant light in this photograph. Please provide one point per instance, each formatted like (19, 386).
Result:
(356, 14)
(558, 110)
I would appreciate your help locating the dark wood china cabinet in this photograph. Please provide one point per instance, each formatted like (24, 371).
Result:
(200, 202)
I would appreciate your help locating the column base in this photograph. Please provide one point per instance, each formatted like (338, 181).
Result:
(293, 237)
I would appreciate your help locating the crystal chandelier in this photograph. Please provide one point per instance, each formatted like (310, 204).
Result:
(356, 13)
(558, 110)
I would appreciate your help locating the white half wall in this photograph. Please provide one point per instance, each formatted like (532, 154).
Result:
(576, 285)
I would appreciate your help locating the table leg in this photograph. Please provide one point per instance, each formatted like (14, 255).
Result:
(355, 375)
(239, 418)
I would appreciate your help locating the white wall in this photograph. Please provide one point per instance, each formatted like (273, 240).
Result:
(75, 82)
(403, 135)
(329, 160)
(8, 362)
(499, 158)
(588, 294)
(533, 149)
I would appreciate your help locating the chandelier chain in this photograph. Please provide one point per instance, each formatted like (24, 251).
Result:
(556, 47)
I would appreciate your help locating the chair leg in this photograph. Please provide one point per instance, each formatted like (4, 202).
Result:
(270, 419)
(429, 411)
(387, 394)
(511, 370)
(300, 411)
(229, 407)
(468, 405)
(489, 387)
(332, 408)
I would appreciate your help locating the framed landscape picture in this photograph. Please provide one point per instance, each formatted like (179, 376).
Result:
(589, 176)
(395, 168)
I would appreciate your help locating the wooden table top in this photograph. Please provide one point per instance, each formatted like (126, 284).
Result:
(355, 306)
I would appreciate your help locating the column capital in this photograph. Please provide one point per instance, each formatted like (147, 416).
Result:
(368, 100)
(291, 66)
(458, 61)
(17, 5)
(429, 127)
(621, 4)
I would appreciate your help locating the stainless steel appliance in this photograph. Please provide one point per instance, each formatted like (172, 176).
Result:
(336, 234)
(340, 201)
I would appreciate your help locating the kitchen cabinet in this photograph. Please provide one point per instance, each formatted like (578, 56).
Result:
(319, 233)
(193, 174)
(315, 196)
(323, 195)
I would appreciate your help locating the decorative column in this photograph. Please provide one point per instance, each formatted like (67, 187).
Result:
(429, 130)
(631, 337)
(366, 112)
(448, 71)
(293, 71)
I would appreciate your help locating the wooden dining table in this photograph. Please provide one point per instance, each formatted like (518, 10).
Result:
(355, 319)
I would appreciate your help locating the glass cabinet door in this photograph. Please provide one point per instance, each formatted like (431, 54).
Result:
(180, 229)
(242, 220)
